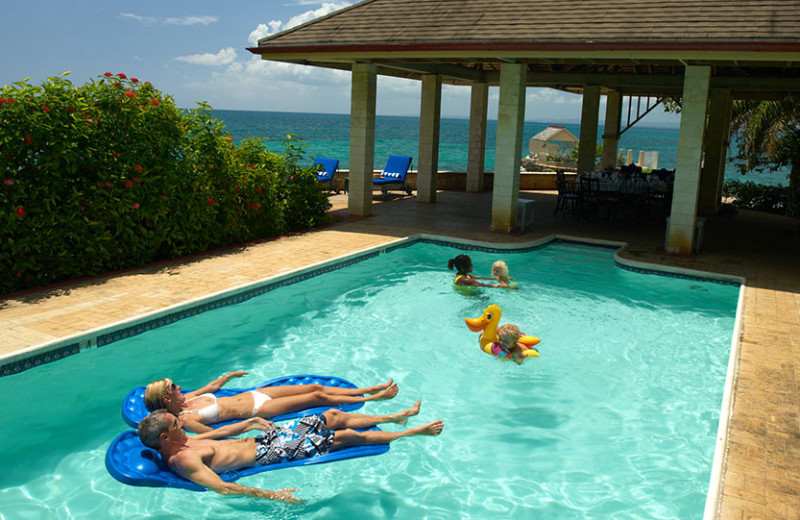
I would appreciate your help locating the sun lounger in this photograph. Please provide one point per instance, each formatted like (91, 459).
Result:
(394, 174)
(327, 171)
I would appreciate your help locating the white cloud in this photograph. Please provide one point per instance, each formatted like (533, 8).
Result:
(191, 20)
(225, 56)
(143, 19)
(276, 26)
(186, 20)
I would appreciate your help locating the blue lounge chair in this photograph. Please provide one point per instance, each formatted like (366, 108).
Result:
(327, 169)
(393, 176)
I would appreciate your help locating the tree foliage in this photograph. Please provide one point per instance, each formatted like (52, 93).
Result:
(111, 175)
(769, 138)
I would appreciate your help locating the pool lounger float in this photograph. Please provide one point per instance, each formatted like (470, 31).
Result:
(134, 410)
(131, 462)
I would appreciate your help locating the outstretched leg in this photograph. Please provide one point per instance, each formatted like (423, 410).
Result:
(294, 403)
(289, 390)
(348, 437)
(339, 420)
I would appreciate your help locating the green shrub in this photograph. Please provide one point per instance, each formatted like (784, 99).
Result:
(759, 197)
(111, 175)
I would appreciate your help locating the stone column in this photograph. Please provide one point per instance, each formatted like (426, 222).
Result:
(588, 138)
(362, 138)
(479, 103)
(510, 118)
(611, 129)
(716, 148)
(429, 116)
(683, 217)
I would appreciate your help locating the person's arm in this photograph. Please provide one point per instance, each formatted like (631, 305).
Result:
(231, 430)
(189, 465)
(216, 384)
(188, 421)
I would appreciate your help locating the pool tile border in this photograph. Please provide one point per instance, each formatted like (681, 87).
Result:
(48, 353)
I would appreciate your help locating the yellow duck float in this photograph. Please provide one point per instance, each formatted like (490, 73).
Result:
(488, 324)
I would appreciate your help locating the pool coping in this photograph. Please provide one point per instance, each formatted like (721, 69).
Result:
(36, 355)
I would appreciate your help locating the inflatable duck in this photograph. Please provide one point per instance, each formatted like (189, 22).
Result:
(488, 324)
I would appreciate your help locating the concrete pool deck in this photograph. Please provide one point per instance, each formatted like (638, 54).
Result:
(762, 468)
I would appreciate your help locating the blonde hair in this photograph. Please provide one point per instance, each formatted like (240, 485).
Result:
(508, 330)
(500, 269)
(154, 394)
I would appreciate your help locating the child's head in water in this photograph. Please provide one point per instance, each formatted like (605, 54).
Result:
(500, 271)
(462, 264)
(508, 334)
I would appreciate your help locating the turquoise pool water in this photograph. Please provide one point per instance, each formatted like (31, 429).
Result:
(618, 417)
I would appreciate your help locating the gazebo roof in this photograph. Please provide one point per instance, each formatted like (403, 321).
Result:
(639, 47)
(555, 133)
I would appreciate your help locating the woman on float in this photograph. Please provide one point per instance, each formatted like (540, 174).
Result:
(197, 409)
(464, 276)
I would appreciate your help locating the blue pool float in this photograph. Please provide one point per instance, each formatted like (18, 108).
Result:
(131, 462)
(134, 410)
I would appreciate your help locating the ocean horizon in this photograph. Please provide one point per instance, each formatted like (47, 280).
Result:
(328, 135)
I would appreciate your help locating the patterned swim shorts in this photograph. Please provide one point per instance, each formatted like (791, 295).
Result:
(300, 439)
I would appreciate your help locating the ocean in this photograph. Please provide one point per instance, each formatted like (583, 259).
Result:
(328, 135)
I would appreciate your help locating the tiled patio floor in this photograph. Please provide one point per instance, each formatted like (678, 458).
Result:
(762, 476)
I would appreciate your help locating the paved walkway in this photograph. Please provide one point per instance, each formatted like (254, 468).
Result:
(762, 475)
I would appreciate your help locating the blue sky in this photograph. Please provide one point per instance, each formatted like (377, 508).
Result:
(196, 51)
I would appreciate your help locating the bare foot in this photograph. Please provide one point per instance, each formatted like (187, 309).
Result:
(377, 388)
(402, 417)
(432, 428)
(387, 393)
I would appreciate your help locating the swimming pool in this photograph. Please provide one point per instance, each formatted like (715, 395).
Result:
(617, 418)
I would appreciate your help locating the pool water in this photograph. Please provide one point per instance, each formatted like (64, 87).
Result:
(617, 418)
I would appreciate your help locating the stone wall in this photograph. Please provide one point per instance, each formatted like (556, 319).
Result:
(457, 181)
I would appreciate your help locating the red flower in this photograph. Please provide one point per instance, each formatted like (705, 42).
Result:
(238, 187)
(254, 167)
(138, 168)
(233, 224)
(146, 82)
(45, 109)
(155, 102)
(116, 155)
(135, 80)
(9, 101)
(135, 205)
(116, 83)
(107, 74)
(129, 184)
(20, 211)
(121, 75)
(136, 180)
(27, 139)
(211, 201)
(130, 94)
(8, 182)
(2, 100)
(258, 190)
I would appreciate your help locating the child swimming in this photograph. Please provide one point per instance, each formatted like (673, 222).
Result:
(464, 277)
(509, 335)
(500, 272)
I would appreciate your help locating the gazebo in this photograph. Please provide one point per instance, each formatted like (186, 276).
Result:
(552, 140)
(708, 52)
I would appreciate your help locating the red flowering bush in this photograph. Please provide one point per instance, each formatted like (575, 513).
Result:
(111, 175)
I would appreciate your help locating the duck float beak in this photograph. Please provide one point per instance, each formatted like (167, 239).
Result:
(491, 314)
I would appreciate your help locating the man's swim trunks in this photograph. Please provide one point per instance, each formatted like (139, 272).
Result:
(300, 439)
